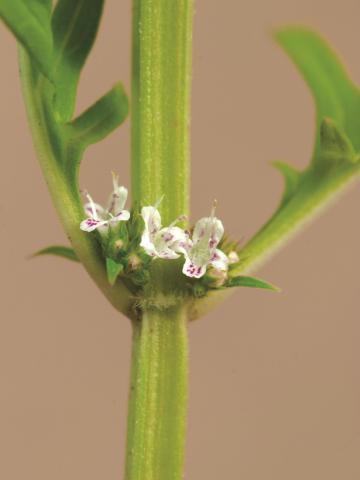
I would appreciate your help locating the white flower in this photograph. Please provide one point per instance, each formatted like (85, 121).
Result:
(158, 241)
(201, 251)
(102, 218)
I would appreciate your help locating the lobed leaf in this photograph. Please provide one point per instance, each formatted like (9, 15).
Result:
(335, 95)
(75, 24)
(60, 251)
(335, 161)
(29, 21)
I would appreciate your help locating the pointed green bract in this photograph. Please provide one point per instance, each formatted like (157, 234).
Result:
(242, 281)
(75, 24)
(29, 21)
(59, 251)
(113, 270)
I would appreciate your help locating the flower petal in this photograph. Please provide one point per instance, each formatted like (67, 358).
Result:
(95, 210)
(168, 254)
(152, 219)
(122, 216)
(91, 224)
(117, 200)
(147, 244)
(192, 270)
(208, 229)
(219, 260)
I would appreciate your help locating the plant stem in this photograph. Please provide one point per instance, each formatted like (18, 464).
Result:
(158, 396)
(160, 109)
(47, 142)
(161, 74)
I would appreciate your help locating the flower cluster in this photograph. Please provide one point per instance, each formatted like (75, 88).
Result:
(199, 249)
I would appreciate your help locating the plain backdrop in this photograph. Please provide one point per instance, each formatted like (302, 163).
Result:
(275, 385)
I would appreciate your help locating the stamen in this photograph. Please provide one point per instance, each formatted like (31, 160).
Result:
(115, 179)
(213, 208)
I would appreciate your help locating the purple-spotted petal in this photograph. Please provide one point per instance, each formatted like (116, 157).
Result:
(117, 200)
(192, 270)
(91, 224)
(152, 219)
(209, 229)
(95, 210)
(219, 260)
(167, 254)
(122, 216)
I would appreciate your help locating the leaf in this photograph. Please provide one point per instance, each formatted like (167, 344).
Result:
(242, 281)
(29, 21)
(60, 251)
(113, 270)
(100, 119)
(335, 161)
(335, 95)
(75, 24)
(291, 177)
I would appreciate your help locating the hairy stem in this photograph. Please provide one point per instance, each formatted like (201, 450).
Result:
(158, 396)
(161, 74)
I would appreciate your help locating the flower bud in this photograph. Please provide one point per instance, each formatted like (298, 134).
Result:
(216, 278)
(134, 261)
(233, 257)
(118, 244)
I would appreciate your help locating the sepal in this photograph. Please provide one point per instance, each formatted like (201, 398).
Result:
(59, 251)
(113, 270)
(243, 281)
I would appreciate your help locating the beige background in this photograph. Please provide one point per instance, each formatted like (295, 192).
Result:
(275, 384)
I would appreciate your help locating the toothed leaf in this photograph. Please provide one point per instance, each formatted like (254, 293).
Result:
(252, 282)
(59, 251)
(113, 270)
(75, 24)
(29, 21)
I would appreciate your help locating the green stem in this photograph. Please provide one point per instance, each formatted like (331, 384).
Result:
(158, 396)
(48, 145)
(161, 74)
(314, 195)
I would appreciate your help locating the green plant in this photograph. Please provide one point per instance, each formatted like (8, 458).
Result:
(162, 277)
